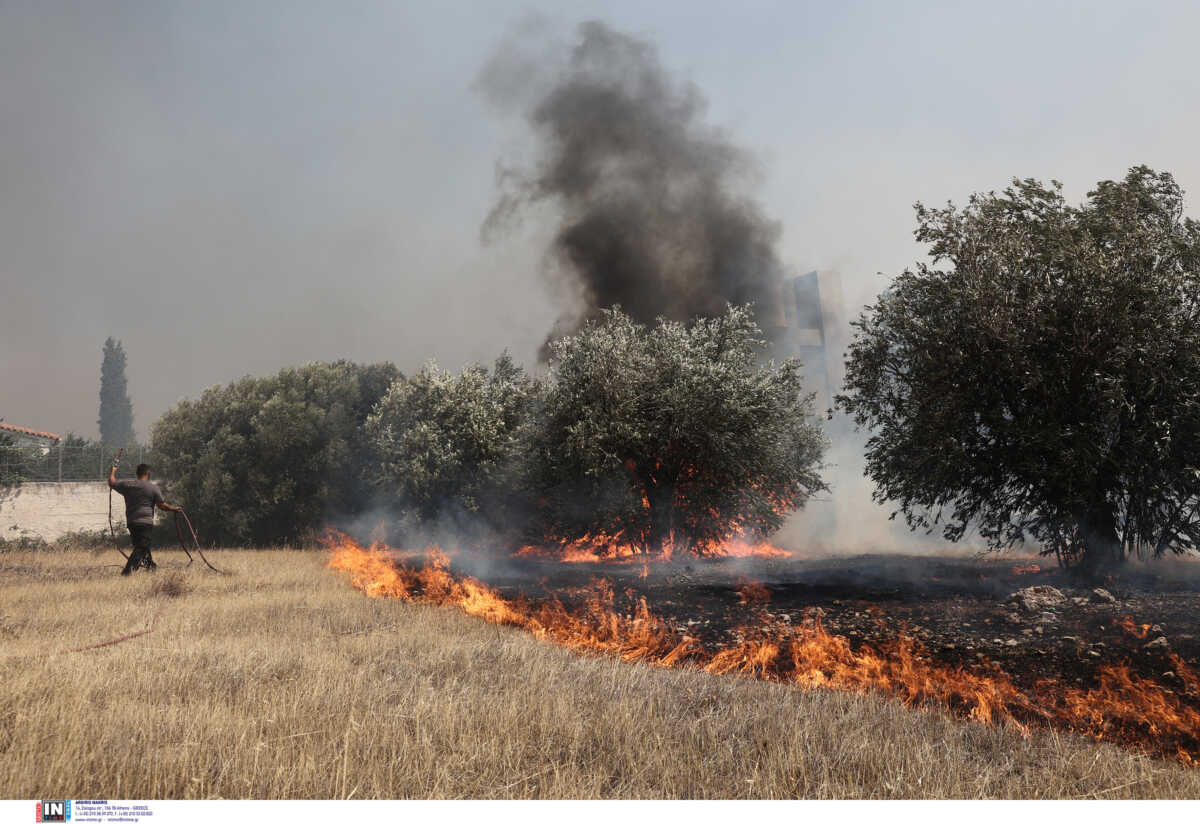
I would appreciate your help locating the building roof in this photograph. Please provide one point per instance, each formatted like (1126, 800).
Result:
(22, 430)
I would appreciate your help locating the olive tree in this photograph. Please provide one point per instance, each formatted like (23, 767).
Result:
(268, 460)
(675, 433)
(1039, 378)
(449, 445)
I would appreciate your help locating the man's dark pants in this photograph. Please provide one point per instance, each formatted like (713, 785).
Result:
(139, 558)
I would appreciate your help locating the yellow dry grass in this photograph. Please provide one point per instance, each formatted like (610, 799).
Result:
(280, 681)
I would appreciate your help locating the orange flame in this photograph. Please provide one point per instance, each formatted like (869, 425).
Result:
(1124, 707)
(754, 593)
(1126, 623)
(589, 549)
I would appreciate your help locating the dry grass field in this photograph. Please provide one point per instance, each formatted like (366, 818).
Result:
(281, 681)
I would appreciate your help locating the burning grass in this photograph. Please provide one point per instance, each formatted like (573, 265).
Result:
(279, 681)
(1124, 707)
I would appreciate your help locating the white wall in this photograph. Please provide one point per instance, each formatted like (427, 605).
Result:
(49, 510)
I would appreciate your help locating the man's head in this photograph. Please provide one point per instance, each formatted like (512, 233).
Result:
(143, 472)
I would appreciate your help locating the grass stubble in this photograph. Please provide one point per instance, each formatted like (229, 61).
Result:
(281, 681)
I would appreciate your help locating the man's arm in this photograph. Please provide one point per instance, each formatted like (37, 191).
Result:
(161, 503)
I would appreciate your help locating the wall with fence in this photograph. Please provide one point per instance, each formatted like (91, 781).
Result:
(66, 462)
(51, 510)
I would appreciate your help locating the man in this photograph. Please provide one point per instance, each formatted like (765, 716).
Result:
(141, 497)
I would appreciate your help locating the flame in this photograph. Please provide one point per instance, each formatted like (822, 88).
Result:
(743, 549)
(1123, 707)
(1026, 570)
(616, 544)
(1126, 623)
(754, 593)
(589, 549)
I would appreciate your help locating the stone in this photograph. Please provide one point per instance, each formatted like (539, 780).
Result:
(1159, 643)
(1037, 598)
(1102, 596)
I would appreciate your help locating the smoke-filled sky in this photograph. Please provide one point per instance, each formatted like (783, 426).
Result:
(232, 187)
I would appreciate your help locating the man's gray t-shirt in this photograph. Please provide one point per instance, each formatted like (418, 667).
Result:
(140, 499)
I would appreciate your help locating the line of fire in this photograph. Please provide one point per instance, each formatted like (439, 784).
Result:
(1010, 639)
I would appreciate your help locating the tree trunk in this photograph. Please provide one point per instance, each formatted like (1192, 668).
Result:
(1102, 548)
(662, 515)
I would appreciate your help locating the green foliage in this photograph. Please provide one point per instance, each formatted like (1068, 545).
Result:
(86, 460)
(12, 464)
(266, 460)
(674, 434)
(16, 540)
(116, 410)
(83, 458)
(1041, 377)
(448, 445)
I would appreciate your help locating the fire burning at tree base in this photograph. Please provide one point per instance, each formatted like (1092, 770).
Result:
(1122, 707)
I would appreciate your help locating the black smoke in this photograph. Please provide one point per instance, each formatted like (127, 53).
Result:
(653, 202)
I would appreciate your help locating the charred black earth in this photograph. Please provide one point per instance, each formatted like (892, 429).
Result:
(964, 612)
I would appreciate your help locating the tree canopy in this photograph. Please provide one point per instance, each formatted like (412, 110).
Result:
(116, 410)
(267, 460)
(1039, 378)
(674, 433)
(447, 446)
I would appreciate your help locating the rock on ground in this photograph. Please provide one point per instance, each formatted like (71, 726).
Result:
(1038, 598)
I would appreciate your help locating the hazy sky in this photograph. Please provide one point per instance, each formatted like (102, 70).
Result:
(230, 188)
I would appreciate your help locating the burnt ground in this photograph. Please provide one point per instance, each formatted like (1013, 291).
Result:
(959, 609)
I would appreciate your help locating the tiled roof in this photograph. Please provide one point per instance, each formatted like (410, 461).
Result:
(8, 427)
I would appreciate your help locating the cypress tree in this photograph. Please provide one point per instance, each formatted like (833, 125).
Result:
(116, 410)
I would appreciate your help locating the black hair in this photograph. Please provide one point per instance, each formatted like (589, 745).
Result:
(143, 469)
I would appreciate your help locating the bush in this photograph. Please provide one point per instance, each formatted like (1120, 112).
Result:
(266, 461)
(448, 447)
(12, 464)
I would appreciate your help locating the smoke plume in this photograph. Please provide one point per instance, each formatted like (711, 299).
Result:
(653, 202)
